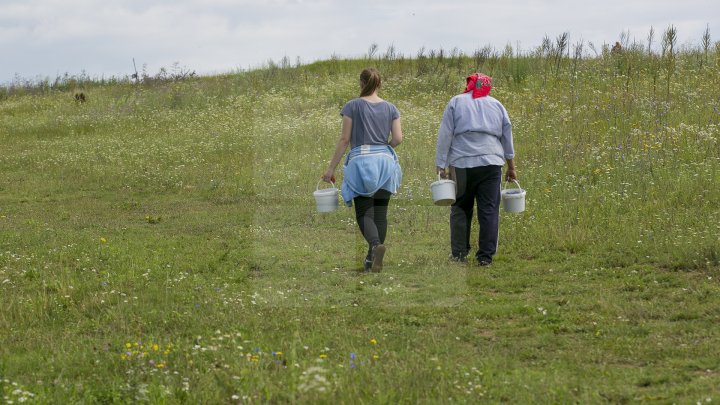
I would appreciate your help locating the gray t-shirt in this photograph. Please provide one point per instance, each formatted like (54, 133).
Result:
(371, 122)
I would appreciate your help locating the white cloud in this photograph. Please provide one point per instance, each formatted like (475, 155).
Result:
(49, 37)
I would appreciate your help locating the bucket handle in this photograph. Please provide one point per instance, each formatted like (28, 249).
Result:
(514, 181)
(317, 187)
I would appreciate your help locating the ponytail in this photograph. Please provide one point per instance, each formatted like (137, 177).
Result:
(370, 81)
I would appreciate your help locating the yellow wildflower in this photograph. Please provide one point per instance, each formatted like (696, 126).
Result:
(373, 341)
(156, 347)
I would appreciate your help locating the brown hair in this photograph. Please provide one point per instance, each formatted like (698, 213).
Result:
(370, 81)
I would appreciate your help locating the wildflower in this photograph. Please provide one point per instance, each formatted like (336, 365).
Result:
(155, 347)
(314, 380)
(128, 345)
(103, 240)
(373, 341)
(376, 356)
(161, 365)
(323, 356)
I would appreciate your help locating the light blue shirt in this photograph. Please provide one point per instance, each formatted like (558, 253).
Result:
(474, 132)
(369, 168)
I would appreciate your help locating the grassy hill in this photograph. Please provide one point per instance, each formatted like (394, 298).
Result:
(159, 241)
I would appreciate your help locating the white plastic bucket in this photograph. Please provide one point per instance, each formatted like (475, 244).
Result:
(326, 199)
(443, 191)
(513, 199)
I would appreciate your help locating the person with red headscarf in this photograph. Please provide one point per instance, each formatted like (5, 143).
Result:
(474, 143)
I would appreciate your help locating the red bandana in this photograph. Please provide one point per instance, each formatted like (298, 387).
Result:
(479, 84)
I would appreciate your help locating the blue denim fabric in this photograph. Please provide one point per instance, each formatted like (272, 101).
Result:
(369, 168)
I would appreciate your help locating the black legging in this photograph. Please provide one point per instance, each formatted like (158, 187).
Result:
(371, 216)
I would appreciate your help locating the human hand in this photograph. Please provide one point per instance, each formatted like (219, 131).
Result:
(442, 173)
(510, 175)
(329, 176)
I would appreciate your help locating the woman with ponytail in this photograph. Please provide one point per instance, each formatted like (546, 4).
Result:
(372, 173)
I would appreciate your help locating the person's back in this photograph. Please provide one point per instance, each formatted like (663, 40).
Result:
(474, 132)
(485, 114)
(372, 121)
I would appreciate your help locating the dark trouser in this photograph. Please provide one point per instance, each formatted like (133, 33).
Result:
(480, 183)
(371, 216)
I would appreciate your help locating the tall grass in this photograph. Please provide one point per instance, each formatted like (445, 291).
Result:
(159, 243)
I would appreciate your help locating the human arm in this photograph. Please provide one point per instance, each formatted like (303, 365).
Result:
(445, 135)
(396, 137)
(510, 174)
(508, 147)
(342, 143)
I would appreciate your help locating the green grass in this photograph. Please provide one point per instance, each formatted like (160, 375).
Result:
(159, 243)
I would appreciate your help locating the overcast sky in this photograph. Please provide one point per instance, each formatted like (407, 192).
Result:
(47, 38)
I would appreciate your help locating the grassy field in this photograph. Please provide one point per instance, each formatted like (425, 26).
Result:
(159, 242)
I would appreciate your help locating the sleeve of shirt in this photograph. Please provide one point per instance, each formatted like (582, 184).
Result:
(445, 136)
(507, 139)
(347, 110)
(395, 113)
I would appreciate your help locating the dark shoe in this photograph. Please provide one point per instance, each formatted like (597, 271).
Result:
(367, 264)
(484, 263)
(458, 259)
(378, 252)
